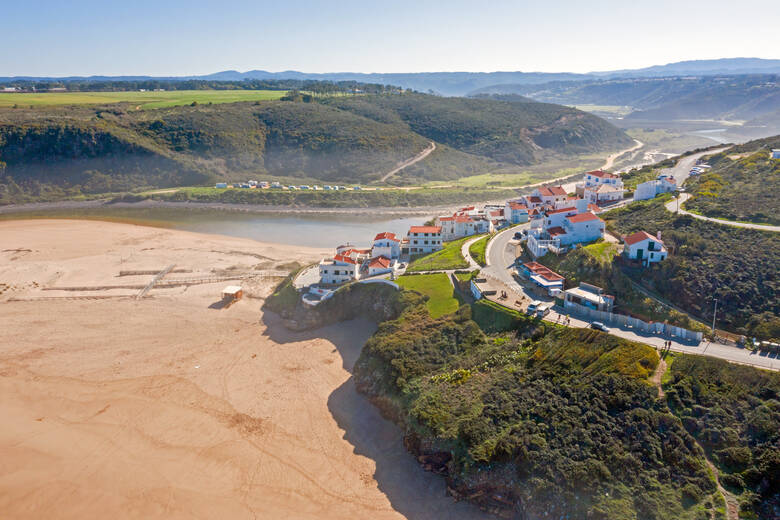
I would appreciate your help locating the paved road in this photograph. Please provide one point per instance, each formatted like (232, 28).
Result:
(673, 205)
(464, 250)
(500, 259)
(682, 170)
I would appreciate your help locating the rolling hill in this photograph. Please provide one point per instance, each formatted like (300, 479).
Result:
(53, 152)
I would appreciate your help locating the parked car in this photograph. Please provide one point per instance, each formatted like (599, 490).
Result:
(599, 326)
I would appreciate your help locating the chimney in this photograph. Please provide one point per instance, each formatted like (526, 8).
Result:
(581, 205)
(658, 235)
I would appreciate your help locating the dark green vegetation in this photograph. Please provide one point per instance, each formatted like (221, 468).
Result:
(743, 184)
(734, 412)
(429, 197)
(58, 152)
(743, 97)
(707, 261)
(598, 264)
(550, 422)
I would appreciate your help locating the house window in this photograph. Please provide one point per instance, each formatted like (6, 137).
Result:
(426, 242)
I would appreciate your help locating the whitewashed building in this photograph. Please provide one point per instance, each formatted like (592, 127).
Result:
(649, 189)
(516, 212)
(339, 269)
(386, 244)
(644, 247)
(380, 265)
(424, 239)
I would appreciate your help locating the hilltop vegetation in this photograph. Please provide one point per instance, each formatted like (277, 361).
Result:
(58, 152)
(734, 412)
(547, 423)
(707, 261)
(742, 185)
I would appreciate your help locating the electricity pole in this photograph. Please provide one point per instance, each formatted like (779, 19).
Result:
(714, 312)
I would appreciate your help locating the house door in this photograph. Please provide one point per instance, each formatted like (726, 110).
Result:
(639, 253)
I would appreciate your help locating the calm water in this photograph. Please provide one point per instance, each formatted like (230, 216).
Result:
(320, 230)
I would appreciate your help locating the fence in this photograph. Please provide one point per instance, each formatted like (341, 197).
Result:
(621, 320)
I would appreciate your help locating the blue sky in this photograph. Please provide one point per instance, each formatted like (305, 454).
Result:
(55, 38)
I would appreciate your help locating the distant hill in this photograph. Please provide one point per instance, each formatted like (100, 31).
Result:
(68, 150)
(663, 99)
(461, 83)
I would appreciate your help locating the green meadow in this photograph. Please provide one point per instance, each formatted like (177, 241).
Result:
(144, 100)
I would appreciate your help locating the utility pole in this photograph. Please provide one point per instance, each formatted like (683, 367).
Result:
(714, 312)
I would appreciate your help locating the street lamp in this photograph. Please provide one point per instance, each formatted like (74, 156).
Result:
(714, 312)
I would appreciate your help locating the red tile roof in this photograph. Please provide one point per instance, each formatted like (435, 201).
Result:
(518, 206)
(594, 208)
(550, 191)
(499, 213)
(425, 229)
(602, 174)
(543, 271)
(379, 261)
(386, 235)
(582, 217)
(638, 237)
(556, 230)
(562, 210)
(344, 258)
(535, 199)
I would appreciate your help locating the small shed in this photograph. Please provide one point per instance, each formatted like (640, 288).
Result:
(232, 292)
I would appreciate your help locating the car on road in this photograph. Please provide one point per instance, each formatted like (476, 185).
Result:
(520, 235)
(599, 326)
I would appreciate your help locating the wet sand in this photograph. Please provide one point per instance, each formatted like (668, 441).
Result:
(172, 407)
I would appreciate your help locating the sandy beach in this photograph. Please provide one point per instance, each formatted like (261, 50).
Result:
(173, 405)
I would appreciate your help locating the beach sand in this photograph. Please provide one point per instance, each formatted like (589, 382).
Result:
(169, 406)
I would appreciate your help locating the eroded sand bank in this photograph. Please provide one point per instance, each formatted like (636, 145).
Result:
(171, 407)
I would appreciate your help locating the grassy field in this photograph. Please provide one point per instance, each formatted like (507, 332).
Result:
(146, 100)
(438, 289)
(449, 257)
(477, 250)
(603, 252)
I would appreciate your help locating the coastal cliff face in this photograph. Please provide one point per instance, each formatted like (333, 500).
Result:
(543, 422)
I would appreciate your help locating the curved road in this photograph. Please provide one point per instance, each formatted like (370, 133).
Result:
(500, 261)
(672, 206)
(419, 157)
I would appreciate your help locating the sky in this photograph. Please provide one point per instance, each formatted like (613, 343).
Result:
(79, 37)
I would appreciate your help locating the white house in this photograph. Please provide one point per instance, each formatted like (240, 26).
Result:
(644, 247)
(776, 154)
(582, 227)
(339, 269)
(547, 195)
(424, 239)
(587, 296)
(386, 244)
(456, 226)
(649, 189)
(554, 217)
(603, 194)
(380, 265)
(600, 178)
(515, 212)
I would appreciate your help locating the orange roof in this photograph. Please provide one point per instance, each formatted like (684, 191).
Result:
(582, 217)
(638, 237)
(562, 210)
(556, 230)
(379, 261)
(344, 258)
(425, 229)
(386, 235)
(534, 198)
(543, 271)
(602, 174)
(594, 208)
(518, 206)
(548, 191)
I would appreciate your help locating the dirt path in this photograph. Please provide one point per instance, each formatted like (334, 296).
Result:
(660, 370)
(611, 159)
(672, 206)
(419, 157)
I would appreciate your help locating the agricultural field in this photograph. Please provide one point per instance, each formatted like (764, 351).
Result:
(144, 100)
(437, 288)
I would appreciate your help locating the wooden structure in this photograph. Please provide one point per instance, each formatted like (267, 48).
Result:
(232, 293)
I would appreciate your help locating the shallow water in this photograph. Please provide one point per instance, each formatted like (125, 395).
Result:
(314, 230)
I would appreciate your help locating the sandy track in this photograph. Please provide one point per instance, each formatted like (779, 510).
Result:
(167, 408)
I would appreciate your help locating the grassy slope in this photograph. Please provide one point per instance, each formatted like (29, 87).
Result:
(742, 185)
(708, 261)
(146, 100)
(449, 257)
(437, 288)
(477, 250)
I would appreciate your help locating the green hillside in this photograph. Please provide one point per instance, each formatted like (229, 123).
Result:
(742, 185)
(708, 261)
(64, 151)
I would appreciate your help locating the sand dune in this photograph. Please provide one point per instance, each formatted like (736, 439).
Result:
(169, 407)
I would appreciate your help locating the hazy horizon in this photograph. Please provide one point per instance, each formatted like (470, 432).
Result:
(87, 37)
